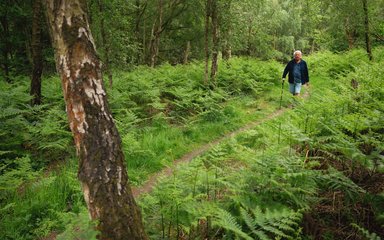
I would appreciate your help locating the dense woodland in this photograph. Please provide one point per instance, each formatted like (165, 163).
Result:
(95, 91)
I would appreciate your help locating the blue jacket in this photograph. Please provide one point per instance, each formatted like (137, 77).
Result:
(304, 71)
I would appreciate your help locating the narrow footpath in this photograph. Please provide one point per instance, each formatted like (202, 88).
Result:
(151, 182)
(153, 179)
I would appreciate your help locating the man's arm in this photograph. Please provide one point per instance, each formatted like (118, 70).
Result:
(286, 70)
(306, 74)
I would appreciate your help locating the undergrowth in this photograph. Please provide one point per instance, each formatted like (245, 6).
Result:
(315, 172)
(161, 114)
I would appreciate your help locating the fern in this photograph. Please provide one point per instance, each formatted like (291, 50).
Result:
(226, 221)
(365, 233)
(260, 224)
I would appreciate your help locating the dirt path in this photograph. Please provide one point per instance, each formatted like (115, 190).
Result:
(151, 182)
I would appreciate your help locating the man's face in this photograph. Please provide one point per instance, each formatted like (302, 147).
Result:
(297, 56)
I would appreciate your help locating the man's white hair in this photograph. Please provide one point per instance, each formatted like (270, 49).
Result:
(297, 52)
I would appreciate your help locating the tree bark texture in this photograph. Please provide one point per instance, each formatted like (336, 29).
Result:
(366, 26)
(37, 57)
(102, 170)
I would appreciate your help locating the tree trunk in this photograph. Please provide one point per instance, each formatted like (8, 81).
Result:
(187, 52)
(249, 48)
(215, 41)
(226, 32)
(107, 63)
(350, 33)
(206, 40)
(102, 170)
(155, 36)
(366, 26)
(37, 58)
(5, 51)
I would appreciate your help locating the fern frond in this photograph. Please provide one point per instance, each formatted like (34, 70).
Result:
(366, 233)
(228, 222)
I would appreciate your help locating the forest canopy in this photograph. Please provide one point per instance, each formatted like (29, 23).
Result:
(130, 33)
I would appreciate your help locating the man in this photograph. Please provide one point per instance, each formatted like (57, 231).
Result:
(298, 73)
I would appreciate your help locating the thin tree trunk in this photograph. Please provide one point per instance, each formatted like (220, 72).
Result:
(140, 39)
(156, 32)
(6, 48)
(187, 52)
(107, 63)
(215, 41)
(349, 32)
(249, 38)
(137, 29)
(102, 170)
(37, 58)
(206, 40)
(226, 33)
(366, 26)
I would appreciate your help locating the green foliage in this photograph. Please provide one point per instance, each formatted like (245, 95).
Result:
(241, 76)
(40, 205)
(365, 233)
(257, 185)
(79, 227)
(13, 113)
(281, 223)
(262, 199)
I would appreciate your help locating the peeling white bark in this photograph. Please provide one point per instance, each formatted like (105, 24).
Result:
(119, 179)
(86, 196)
(64, 64)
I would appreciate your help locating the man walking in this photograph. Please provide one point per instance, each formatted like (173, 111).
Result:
(297, 71)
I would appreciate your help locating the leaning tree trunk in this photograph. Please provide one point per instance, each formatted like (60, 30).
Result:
(37, 57)
(366, 25)
(102, 171)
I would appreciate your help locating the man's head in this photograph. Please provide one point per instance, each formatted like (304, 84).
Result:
(297, 55)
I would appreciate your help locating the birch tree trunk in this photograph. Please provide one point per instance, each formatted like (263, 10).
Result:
(37, 57)
(102, 170)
